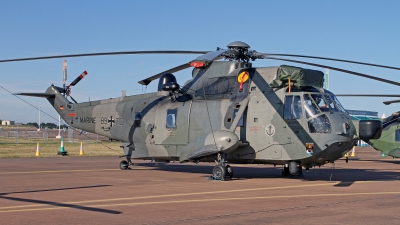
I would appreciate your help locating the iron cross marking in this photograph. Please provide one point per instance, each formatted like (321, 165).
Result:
(111, 121)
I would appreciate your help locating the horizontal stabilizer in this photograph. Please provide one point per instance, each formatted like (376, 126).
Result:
(40, 95)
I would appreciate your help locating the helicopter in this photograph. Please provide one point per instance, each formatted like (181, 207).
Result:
(229, 112)
(389, 142)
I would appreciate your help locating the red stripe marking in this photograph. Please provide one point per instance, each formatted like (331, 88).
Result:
(71, 114)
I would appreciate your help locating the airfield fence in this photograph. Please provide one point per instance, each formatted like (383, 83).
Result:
(33, 135)
(22, 134)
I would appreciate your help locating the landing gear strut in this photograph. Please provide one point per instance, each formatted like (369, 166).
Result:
(222, 170)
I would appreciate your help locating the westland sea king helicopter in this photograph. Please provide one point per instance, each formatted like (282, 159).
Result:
(230, 112)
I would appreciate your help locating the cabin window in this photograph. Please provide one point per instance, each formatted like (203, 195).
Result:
(292, 108)
(137, 119)
(171, 118)
(70, 107)
(397, 135)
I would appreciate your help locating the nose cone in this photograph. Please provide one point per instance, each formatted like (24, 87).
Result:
(369, 129)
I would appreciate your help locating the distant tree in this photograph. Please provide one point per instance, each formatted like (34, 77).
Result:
(50, 125)
(1, 121)
(33, 124)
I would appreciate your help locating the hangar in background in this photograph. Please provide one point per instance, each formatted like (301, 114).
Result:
(362, 114)
(7, 122)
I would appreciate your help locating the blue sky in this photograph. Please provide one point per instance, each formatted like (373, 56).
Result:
(360, 30)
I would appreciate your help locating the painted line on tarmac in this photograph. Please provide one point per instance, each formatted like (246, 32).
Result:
(207, 200)
(192, 194)
(66, 171)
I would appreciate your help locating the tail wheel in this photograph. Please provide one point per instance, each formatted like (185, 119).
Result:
(123, 165)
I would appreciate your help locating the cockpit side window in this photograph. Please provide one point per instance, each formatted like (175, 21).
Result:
(310, 108)
(297, 110)
(331, 103)
(292, 108)
(321, 103)
(287, 107)
(338, 104)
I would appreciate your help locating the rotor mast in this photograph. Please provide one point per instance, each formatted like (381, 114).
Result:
(240, 51)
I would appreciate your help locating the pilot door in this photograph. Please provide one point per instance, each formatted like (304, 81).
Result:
(265, 127)
(172, 123)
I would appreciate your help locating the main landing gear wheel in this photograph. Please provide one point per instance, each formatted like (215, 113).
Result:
(124, 165)
(229, 171)
(219, 172)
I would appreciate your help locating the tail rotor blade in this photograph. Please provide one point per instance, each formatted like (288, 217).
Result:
(73, 99)
(79, 78)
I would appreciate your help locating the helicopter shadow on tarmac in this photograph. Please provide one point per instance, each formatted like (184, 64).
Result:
(58, 204)
(345, 177)
(392, 161)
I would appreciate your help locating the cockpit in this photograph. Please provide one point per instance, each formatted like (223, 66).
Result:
(312, 106)
(391, 119)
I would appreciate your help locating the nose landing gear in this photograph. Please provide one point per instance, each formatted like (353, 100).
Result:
(222, 170)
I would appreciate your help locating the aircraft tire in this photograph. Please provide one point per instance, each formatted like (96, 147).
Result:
(123, 165)
(229, 171)
(295, 168)
(219, 172)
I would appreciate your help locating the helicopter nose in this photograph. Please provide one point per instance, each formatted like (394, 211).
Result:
(369, 129)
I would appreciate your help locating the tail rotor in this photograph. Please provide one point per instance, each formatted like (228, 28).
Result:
(67, 89)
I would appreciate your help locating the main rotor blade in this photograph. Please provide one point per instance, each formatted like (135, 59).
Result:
(214, 55)
(332, 59)
(368, 95)
(390, 102)
(334, 68)
(208, 56)
(173, 70)
(104, 53)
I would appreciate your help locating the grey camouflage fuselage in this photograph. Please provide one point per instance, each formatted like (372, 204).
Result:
(215, 115)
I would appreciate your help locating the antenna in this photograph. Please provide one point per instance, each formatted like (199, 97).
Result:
(326, 79)
(64, 73)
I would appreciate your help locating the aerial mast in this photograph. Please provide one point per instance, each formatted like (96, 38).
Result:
(326, 79)
(64, 74)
